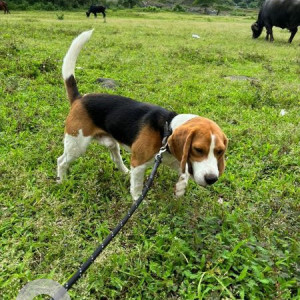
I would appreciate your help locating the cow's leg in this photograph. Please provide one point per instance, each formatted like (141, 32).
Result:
(293, 32)
(271, 36)
(104, 16)
(269, 33)
(95, 14)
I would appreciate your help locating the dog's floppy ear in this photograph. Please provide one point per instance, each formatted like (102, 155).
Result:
(179, 143)
(221, 161)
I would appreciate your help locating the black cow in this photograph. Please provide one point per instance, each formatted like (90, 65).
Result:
(279, 13)
(3, 6)
(94, 9)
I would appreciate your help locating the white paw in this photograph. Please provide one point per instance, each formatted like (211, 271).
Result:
(181, 186)
(124, 170)
(135, 193)
(135, 196)
(59, 180)
(179, 190)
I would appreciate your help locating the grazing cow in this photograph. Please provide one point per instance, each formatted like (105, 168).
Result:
(3, 6)
(94, 9)
(279, 13)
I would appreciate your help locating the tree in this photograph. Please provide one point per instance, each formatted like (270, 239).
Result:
(129, 3)
(207, 3)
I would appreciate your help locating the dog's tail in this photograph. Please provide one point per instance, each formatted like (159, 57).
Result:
(68, 68)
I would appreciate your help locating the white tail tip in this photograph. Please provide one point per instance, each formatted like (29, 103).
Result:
(73, 52)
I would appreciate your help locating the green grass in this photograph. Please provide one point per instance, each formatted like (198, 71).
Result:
(196, 247)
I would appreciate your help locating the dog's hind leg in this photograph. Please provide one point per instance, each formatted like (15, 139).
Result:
(74, 147)
(114, 148)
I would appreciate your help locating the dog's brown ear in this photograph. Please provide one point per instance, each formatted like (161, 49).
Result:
(221, 161)
(179, 143)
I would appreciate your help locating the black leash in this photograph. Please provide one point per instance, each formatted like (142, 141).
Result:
(158, 159)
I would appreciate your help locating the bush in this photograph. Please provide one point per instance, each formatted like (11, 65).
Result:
(237, 13)
(60, 16)
(151, 9)
(24, 5)
(178, 8)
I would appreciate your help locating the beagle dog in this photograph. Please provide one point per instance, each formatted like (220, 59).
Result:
(196, 146)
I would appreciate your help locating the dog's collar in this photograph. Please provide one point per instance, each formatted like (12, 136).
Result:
(167, 132)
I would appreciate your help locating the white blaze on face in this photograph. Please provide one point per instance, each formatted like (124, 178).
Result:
(208, 166)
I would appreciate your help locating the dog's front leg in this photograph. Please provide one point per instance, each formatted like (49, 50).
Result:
(182, 183)
(137, 180)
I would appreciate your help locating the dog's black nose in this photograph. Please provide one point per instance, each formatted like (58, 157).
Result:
(210, 178)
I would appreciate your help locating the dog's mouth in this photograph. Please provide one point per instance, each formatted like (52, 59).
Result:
(201, 182)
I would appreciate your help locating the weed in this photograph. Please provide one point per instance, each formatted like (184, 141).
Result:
(60, 16)
(48, 65)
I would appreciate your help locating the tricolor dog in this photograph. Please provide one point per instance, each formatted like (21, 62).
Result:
(196, 146)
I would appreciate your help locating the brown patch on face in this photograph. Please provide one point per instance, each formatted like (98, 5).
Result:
(145, 146)
(78, 118)
(221, 155)
(180, 142)
(191, 142)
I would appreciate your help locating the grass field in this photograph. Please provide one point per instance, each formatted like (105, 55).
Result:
(238, 239)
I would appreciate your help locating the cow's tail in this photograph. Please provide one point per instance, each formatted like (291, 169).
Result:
(68, 67)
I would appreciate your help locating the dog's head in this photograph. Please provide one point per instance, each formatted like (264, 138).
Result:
(200, 145)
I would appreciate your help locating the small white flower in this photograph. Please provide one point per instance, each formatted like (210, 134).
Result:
(220, 200)
(282, 112)
(195, 36)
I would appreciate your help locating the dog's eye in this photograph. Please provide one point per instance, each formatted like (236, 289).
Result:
(220, 152)
(199, 150)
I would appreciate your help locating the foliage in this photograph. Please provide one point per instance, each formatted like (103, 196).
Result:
(66, 4)
(80, 4)
(238, 239)
(151, 9)
(207, 3)
(178, 8)
(60, 16)
(128, 3)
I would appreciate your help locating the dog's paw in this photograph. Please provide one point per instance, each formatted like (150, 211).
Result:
(181, 186)
(179, 191)
(59, 180)
(125, 170)
(135, 196)
(135, 193)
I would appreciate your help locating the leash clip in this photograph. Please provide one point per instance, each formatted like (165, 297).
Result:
(167, 133)
(163, 149)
